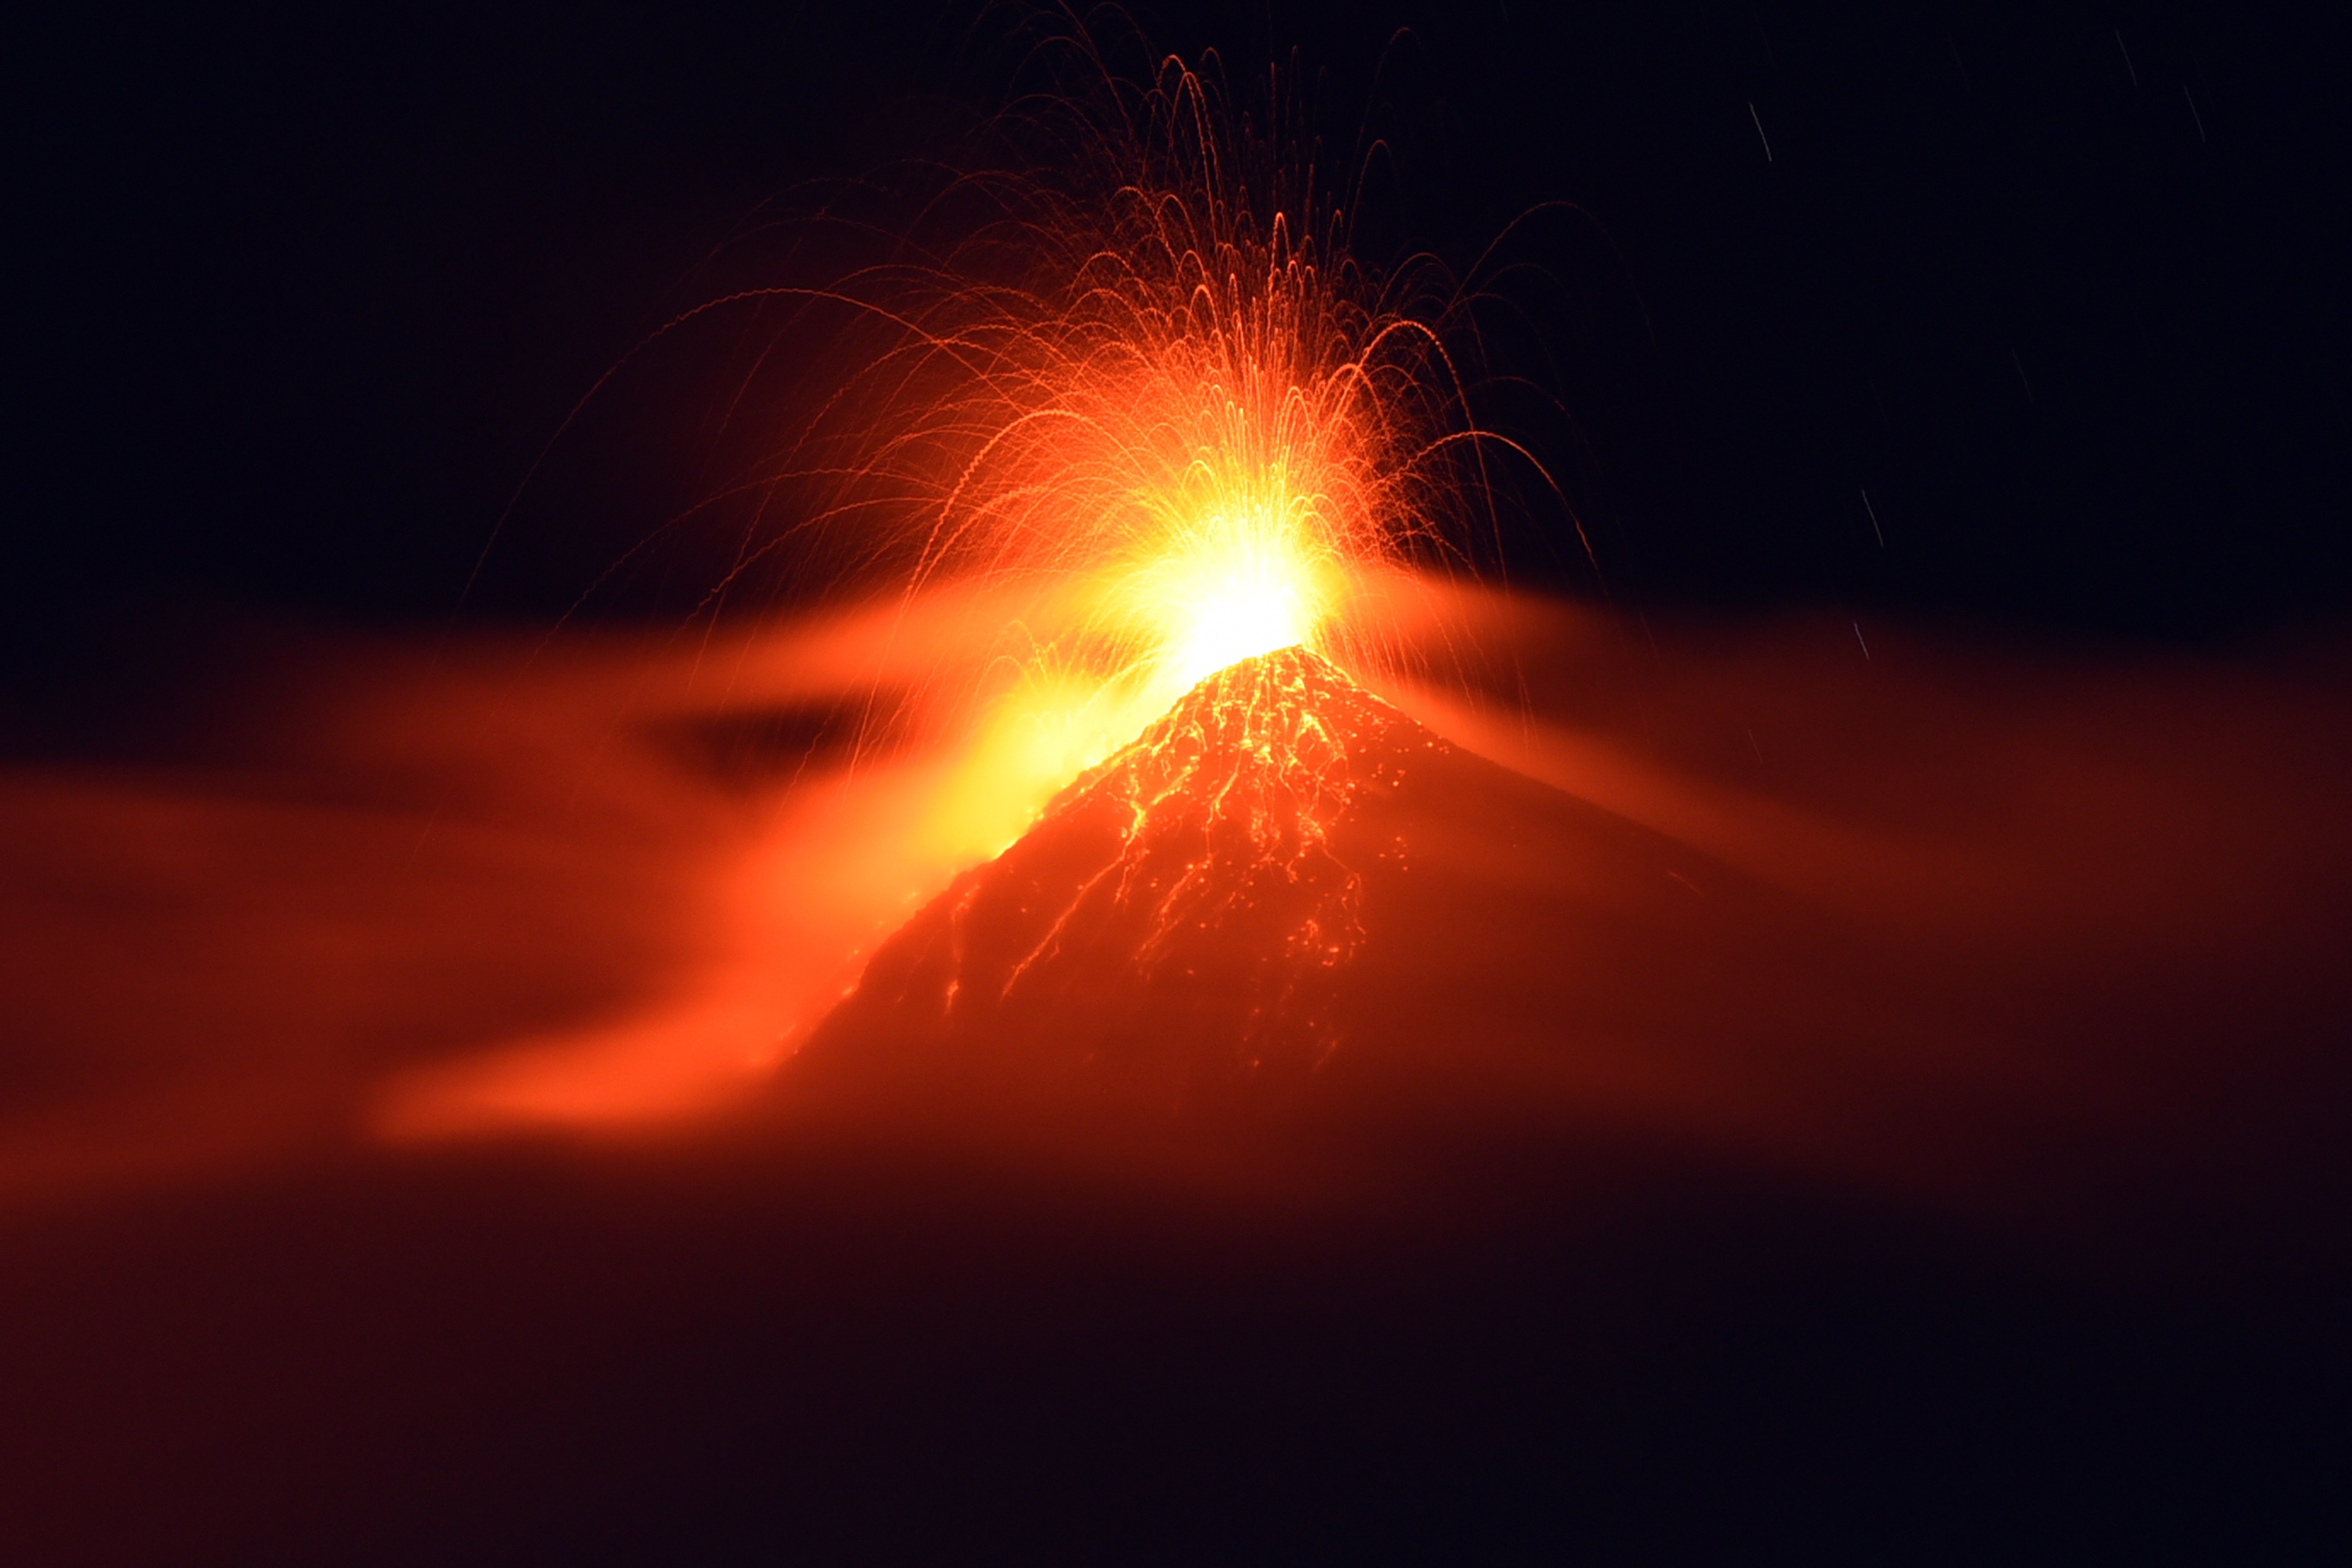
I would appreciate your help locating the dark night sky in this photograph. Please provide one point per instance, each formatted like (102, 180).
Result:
(301, 295)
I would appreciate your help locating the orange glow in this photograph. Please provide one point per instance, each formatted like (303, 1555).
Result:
(1196, 466)
(1186, 432)
(1232, 589)
(1137, 425)
(1149, 398)
(1204, 849)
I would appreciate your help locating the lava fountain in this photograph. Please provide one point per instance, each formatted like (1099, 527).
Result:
(1148, 397)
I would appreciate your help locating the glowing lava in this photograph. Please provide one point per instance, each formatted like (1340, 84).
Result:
(1240, 591)
(1192, 883)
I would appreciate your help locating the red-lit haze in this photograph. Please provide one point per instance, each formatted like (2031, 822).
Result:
(1968, 922)
(1918, 912)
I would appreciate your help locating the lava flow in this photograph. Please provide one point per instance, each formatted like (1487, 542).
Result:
(1287, 897)
(1205, 877)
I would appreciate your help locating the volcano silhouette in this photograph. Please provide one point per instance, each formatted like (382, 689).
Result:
(1207, 881)
(1281, 891)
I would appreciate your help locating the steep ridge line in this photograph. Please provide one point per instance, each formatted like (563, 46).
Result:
(1193, 877)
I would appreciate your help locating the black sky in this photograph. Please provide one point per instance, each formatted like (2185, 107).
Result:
(2059, 290)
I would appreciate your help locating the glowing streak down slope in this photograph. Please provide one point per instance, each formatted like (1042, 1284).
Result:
(1191, 879)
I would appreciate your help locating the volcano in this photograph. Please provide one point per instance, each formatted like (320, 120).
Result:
(1182, 914)
(1283, 893)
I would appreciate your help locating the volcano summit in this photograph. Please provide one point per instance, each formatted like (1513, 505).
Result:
(1282, 886)
(1207, 883)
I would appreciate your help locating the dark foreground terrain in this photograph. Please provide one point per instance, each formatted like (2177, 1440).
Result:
(1609, 1348)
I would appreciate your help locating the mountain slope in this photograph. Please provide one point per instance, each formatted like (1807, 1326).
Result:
(1283, 888)
(1207, 873)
